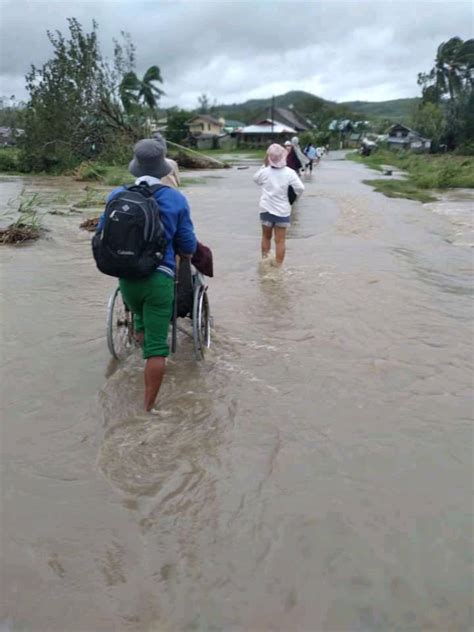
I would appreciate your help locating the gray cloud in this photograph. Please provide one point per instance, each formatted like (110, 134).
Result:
(339, 50)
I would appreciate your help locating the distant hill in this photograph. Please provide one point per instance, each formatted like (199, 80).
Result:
(312, 107)
(318, 110)
(395, 110)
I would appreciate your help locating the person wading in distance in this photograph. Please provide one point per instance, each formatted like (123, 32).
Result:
(275, 210)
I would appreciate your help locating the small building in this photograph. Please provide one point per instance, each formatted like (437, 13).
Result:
(344, 126)
(205, 124)
(9, 135)
(289, 117)
(264, 132)
(158, 125)
(354, 140)
(402, 137)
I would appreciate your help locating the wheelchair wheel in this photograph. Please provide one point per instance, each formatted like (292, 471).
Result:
(120, 330)
(201, 322)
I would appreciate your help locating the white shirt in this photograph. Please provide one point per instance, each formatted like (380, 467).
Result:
(150, 180)
(275, 183)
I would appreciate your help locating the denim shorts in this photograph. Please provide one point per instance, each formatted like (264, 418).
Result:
(268, 219)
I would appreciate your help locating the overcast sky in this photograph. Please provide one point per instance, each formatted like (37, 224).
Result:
(234, 50)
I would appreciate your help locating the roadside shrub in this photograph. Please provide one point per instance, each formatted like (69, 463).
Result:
(8, 159)
(447, 175)
(89, 171)
(115, 176)
(466, 149)
(426, 181)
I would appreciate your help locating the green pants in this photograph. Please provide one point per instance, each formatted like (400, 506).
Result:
(151, 301)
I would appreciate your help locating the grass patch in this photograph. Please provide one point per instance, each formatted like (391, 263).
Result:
(424, 171)
(372, 161)
(115, 176)
(92, 198)
(28, 204)
(89, 171)
(110, 175)
(399, 189)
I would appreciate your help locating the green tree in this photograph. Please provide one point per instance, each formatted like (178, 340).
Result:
(459, 122)
(75, 110)
(453, 72)
(65, 97)
(176, 128)
(448, 88)
(428, 119)
(203, 104)
(454, 66)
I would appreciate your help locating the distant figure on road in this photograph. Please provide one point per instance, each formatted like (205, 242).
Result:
(296, 159)
(311, 153)
(275, 177)
(292, 160)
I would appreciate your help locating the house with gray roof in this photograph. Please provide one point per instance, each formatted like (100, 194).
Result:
(289, 117)
(403, 137)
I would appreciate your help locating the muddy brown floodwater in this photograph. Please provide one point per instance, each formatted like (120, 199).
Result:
(314, 474)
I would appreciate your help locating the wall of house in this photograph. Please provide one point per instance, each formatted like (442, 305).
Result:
(227, 142)
(203, 127)
(261, 140)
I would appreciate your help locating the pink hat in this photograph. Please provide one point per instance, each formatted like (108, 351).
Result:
(276, 155)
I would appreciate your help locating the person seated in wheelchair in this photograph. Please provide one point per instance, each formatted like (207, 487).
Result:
(188, 271)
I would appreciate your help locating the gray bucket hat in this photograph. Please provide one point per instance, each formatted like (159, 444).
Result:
(149, 158)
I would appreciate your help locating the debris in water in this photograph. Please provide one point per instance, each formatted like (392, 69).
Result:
(197, 161)
(90, 224)
(20, 231)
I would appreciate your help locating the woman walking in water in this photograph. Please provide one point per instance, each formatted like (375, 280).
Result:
(275, 210)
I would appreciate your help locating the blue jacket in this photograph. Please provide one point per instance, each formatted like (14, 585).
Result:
(176, 218)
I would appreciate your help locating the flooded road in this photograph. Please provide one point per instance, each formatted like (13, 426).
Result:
(313, 474)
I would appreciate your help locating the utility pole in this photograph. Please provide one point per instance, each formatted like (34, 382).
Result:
(273, 113)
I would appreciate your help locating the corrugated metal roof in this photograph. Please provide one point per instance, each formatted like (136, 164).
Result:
(267, 128)
(287, 116)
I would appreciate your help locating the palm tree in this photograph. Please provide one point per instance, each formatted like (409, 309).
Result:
(454, 66)
(149, 92)
(128, 91)
(133, 90)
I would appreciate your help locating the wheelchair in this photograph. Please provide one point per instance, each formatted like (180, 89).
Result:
(196, 316)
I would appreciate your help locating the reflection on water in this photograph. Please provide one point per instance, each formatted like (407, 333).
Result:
(457, 281)
(455, 208)
(313, 473)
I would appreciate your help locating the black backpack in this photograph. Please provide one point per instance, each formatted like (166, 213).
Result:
(132, 242)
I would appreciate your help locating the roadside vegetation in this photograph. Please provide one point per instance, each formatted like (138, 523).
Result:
(424, 172)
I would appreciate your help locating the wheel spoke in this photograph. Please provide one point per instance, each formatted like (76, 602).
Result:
(119, 326)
